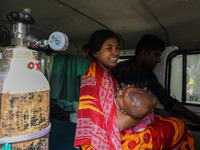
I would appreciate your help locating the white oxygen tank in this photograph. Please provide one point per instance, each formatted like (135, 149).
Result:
(25, 100)
(24, 90)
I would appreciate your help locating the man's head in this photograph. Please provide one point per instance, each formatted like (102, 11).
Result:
(149, 50)
(134, 101)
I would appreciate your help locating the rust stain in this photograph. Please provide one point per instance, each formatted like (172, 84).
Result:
(25, 114)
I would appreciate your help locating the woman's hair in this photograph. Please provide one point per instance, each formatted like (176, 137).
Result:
(96, 41)
(149, 43)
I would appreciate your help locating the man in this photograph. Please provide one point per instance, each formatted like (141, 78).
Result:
(139, 71)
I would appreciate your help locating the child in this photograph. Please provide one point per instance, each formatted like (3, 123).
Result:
(134, 105)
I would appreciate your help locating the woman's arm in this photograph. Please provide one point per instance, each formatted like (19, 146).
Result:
(125, 121)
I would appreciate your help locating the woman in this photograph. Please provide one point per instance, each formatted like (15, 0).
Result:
(97, 123)
(97, 120)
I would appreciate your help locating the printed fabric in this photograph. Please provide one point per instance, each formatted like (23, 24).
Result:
(97, 123)
(142, 125)
(166, 133)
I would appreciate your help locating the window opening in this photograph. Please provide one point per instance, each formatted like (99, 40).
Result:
(183, 76)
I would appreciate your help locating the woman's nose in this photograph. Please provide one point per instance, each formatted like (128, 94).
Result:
(116, 51)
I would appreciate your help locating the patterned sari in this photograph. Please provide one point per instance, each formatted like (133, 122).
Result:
(97, 125)
(166, 133)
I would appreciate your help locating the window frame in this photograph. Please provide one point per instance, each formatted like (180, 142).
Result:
(170, 57)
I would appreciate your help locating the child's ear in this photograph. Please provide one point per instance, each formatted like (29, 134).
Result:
(119, 93)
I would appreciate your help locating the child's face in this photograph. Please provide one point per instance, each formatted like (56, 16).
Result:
(109, 53)
(122, 97)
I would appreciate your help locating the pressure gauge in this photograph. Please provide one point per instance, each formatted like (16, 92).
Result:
(58, 41)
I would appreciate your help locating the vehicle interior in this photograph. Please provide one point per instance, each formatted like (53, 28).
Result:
(176, 22)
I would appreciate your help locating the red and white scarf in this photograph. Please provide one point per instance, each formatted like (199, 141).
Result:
(97, 123)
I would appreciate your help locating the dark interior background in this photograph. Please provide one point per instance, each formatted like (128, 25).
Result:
(177, 22)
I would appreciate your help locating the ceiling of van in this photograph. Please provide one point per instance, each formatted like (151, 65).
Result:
(177, 22)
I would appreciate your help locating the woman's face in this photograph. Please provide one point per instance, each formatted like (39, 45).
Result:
(109, 53)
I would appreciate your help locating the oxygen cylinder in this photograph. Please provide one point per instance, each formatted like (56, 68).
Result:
(24, 96)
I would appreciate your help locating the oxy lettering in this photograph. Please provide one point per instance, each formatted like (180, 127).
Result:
(31, 65)
(38, 66)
